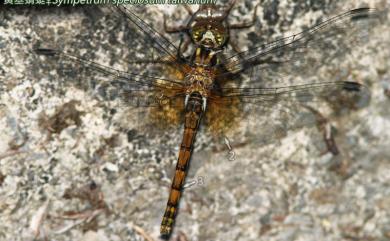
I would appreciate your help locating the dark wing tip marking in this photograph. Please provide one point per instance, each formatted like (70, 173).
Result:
(361, 13)
(361, 10)
(352, 86)
(46, 51)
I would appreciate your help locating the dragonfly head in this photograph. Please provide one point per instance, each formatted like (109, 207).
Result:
(208, 27)
(209, 35)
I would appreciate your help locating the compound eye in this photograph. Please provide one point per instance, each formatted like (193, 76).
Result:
(197, 34)
(219, 38)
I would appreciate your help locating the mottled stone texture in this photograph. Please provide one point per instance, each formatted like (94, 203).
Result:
(75, 167)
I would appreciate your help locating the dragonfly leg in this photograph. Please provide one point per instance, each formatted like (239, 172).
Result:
(241, 26)
(179, 29)
(188, 9)
(234, 47)
(152, 61)
(246, 24)
(176, 29)
(228, 9)
(183, 46)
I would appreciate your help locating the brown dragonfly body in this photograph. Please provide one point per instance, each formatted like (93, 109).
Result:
(193, 116)
(200, 80)
(208, 30)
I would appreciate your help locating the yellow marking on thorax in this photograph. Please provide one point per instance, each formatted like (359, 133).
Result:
(202, 59)
(198, 55)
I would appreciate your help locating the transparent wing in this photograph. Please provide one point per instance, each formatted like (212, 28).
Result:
(276, 81)
(104, 66)
(267, 114)
(131, 94)
(132, 89)
(163, 46)
(303, 54)
(297, 93)
(147, 102)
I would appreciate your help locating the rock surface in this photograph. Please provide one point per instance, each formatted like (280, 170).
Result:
(74, 167)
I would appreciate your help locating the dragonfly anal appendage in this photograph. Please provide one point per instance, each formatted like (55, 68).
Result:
(186, 100)
(204, 103)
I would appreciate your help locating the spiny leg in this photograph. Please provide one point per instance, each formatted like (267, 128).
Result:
(242, 26)
(176, 29)
(246, 24)
(188, 9)
(234, 47)
(151, 61)
(231, 5)
(164, 60)
(185, 45)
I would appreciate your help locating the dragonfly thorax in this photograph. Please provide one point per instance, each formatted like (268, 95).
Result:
(199, 80)
(204, 58)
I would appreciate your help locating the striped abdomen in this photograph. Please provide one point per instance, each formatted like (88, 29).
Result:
(193, 116)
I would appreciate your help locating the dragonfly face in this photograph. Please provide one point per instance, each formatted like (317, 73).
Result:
(208, 27)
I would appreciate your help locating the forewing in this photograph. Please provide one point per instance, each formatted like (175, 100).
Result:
(165, 49)
(274, 82)
(133, 89)
(116, 68)
(303, 54)
(311, 92)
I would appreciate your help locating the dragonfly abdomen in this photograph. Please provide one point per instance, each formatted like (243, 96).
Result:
(193, 116)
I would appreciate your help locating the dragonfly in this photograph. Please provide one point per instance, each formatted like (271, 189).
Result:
(211, 88)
